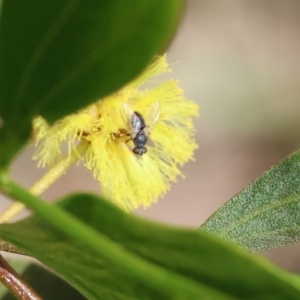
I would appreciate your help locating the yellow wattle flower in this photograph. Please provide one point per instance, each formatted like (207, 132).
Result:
(128, 180)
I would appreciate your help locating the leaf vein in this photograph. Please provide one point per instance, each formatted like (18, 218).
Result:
(262, 209)
(52, 32)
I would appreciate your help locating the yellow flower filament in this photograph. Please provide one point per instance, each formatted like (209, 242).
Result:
(127, 180)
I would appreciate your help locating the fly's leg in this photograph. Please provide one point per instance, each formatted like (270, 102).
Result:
(130, 139)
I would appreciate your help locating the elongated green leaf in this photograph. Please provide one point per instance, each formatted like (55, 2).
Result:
(220, 270)
(56, 56)
(45, 283)
(266, 214)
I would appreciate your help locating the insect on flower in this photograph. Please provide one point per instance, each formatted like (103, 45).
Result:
(117, 135)
(140, 129)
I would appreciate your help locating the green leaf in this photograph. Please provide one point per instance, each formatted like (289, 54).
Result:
(57, 56)
(266, 214)
(45, 283)
(207, 267)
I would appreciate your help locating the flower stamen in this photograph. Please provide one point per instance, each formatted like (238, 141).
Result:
(129, 115)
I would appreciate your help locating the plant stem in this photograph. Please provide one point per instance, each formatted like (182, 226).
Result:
(47, 180)
(16, 285)
(172, 284)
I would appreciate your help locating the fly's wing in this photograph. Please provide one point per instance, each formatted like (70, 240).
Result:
(152, 116)
(131, 120)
